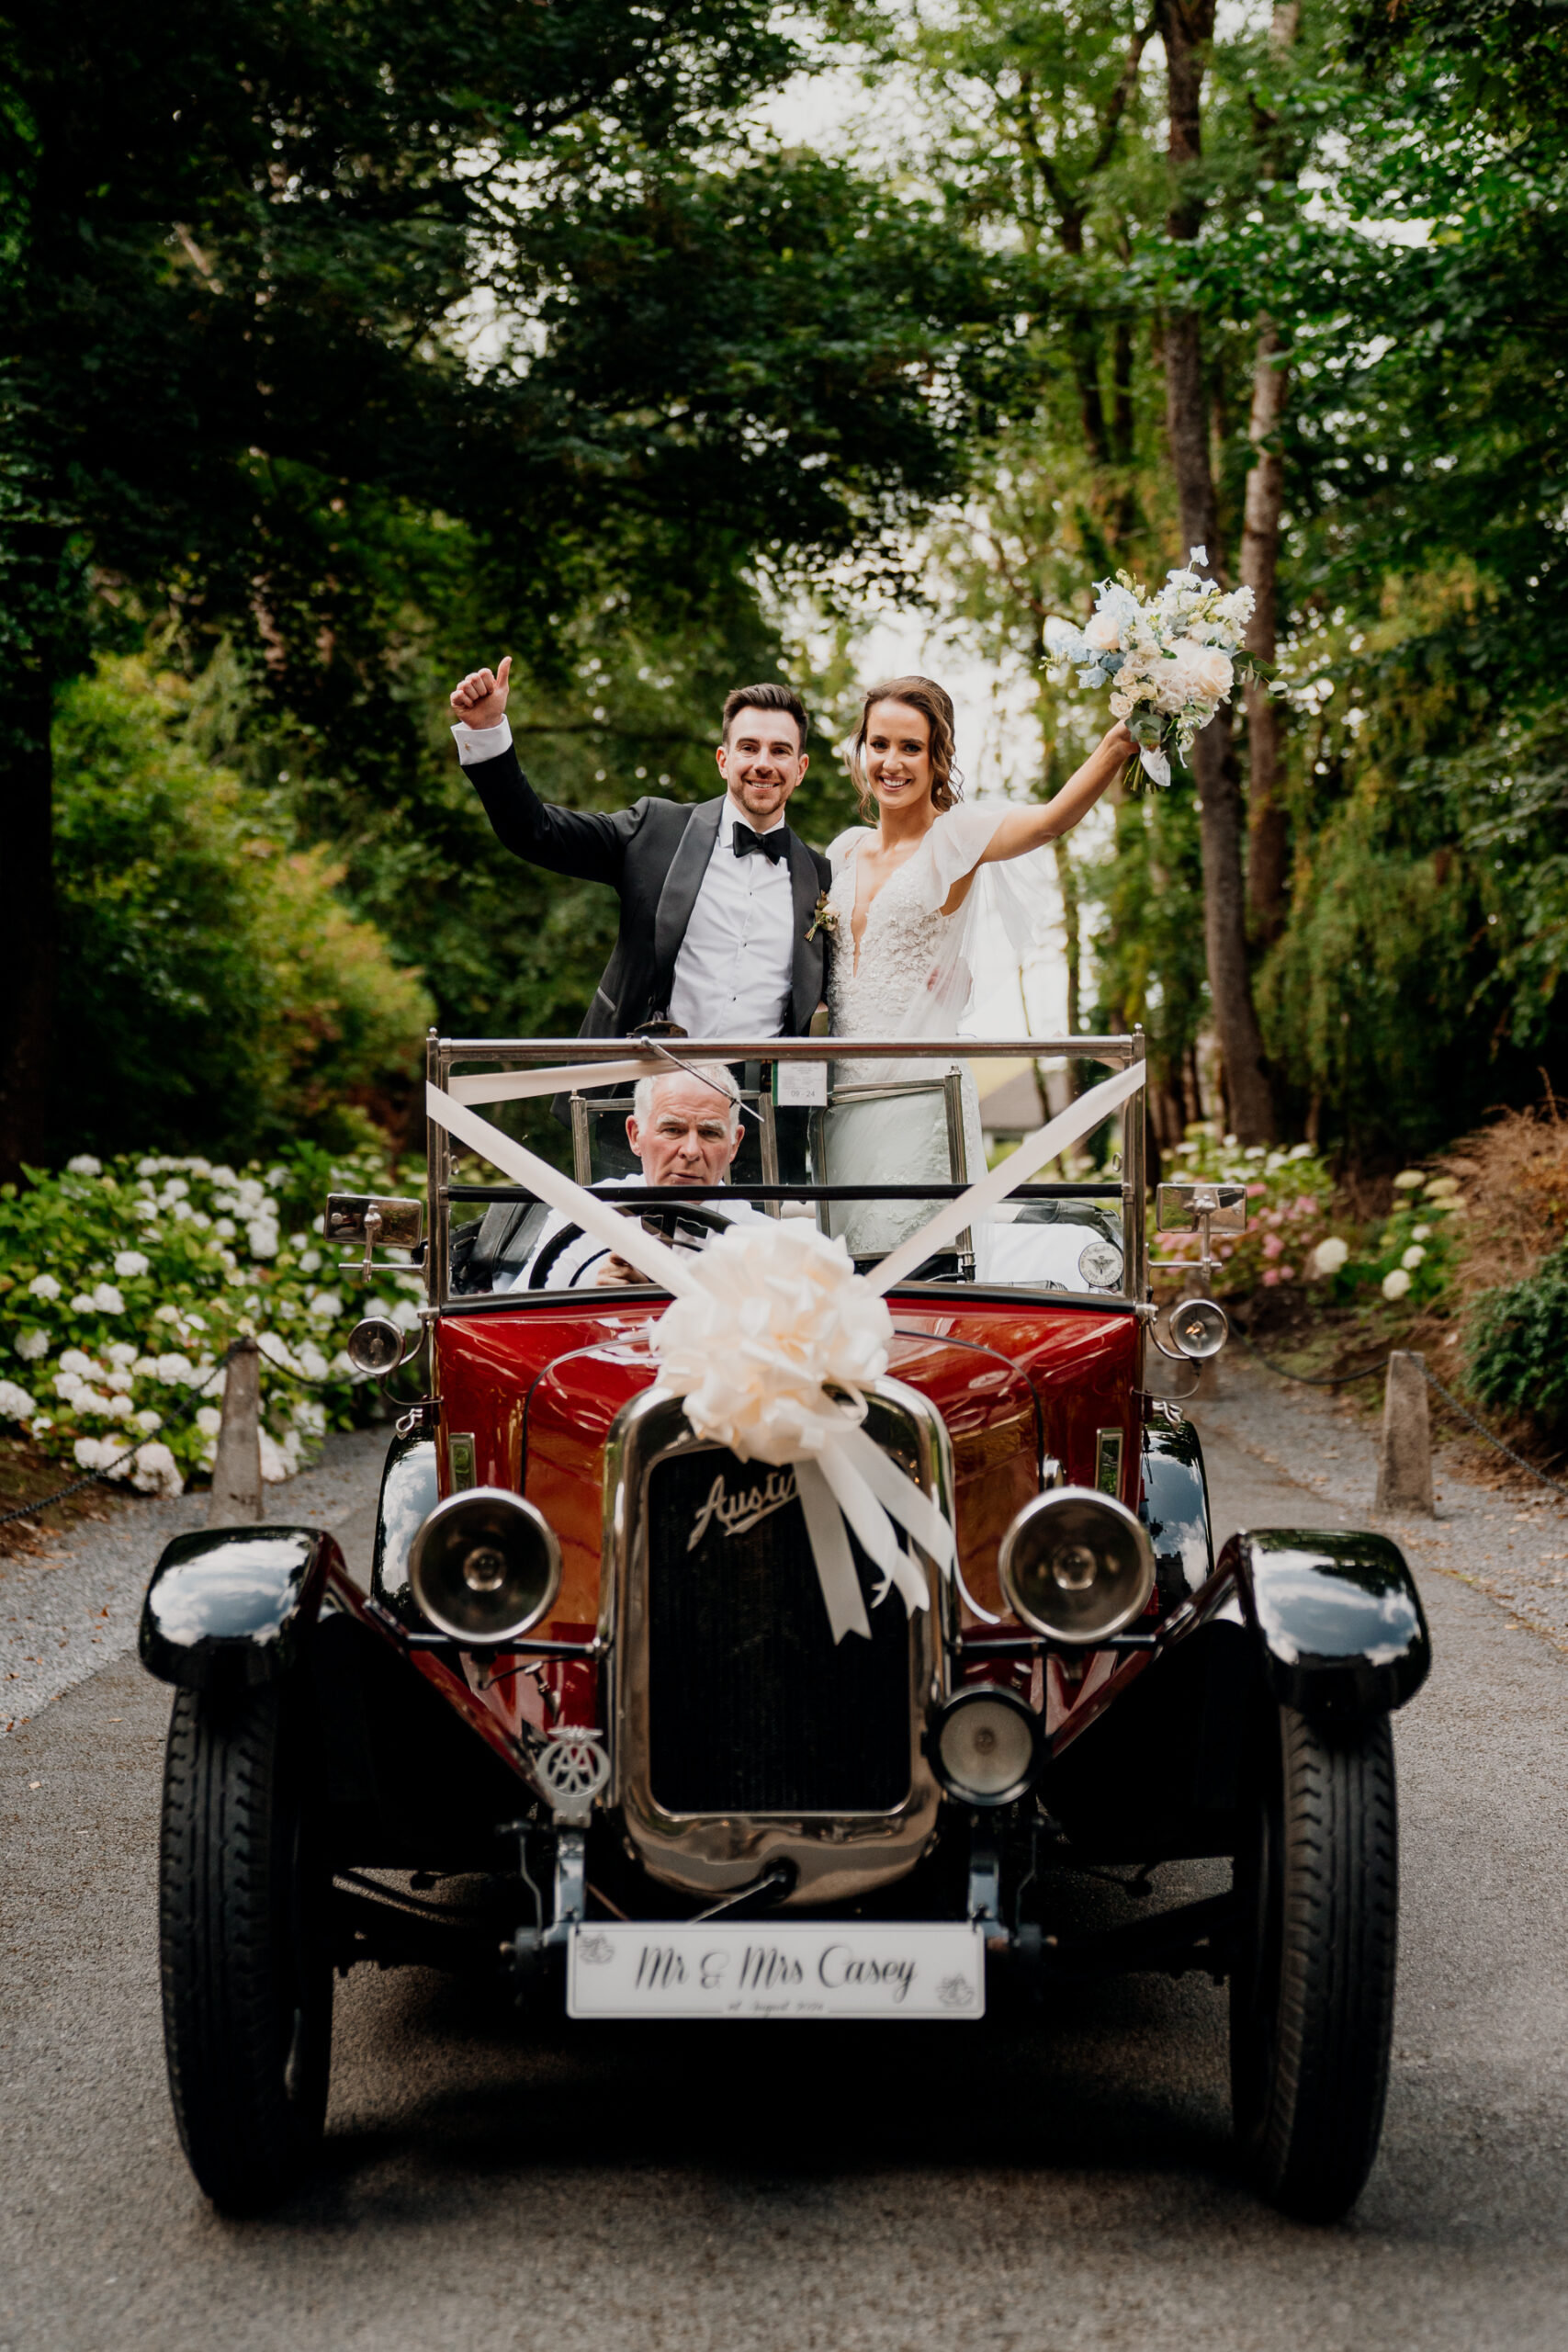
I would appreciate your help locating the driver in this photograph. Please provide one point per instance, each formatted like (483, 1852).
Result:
(684, 1129)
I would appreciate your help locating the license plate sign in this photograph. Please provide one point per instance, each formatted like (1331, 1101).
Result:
(797, 1969)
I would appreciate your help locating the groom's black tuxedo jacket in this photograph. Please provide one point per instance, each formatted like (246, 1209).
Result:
(655, 855)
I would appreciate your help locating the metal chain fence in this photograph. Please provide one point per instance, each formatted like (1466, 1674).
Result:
(1337, 1379)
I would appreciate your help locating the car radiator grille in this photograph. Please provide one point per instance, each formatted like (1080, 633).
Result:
(752, 1707)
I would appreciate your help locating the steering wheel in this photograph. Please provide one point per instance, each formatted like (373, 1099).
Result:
(664, 1217)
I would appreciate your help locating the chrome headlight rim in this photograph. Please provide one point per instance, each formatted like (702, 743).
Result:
(465, 1503)
(1051, 1505)
(967, 1696)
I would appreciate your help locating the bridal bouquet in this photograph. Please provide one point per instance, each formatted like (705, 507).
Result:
(1170, 658)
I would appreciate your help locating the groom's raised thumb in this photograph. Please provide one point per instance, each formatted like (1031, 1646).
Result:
(503, 672)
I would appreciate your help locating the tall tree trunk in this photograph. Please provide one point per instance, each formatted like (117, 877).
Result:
(1186, 28)
(1267, 843)
(1267, 846)
(27, 931)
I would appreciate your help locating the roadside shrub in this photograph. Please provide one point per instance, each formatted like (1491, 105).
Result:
(1518, 1345)
(122, 1283)
(214, 991)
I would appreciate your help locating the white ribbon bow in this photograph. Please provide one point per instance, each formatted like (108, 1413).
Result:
(767, 1316)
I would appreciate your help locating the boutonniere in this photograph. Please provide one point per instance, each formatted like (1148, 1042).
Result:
(823, 919)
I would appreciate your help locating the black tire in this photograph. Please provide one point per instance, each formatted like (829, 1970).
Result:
(246, 1966)
(1312, 1983)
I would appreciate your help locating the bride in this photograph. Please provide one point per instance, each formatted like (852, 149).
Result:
(912, 896)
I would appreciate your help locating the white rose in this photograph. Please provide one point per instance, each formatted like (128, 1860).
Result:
(1103, 633)
(1330, 1255)
(1208, 670)
(128, 1263)
(43, 1286)
(1396, 1284)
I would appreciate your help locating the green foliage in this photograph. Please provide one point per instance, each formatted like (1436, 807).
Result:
(1519, 1346)
(214, 989)
(123, 1284)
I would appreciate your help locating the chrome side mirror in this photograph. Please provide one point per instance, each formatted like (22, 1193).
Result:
(1191, 1204)
(368, 1217)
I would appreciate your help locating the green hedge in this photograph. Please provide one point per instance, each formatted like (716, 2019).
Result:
(122, 1285)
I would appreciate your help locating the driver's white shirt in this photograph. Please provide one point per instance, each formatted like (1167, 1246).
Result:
(578, 1266)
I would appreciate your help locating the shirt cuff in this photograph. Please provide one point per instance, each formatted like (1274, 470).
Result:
(476, 743)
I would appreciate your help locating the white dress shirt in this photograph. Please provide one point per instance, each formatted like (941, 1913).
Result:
(736, 964)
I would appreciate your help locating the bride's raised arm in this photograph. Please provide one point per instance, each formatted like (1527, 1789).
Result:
(1022, 830)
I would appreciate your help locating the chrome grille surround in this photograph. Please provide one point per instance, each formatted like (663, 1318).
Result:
(837, 1854)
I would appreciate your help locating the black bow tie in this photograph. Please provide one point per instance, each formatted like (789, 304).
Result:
(772, 845)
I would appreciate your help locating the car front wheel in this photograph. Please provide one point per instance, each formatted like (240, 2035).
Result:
(246, 1966)
(1312, 1983)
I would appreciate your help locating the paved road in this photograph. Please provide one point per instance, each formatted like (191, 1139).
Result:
(1032, 2190)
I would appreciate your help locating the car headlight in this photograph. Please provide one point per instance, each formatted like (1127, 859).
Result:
(375, 1346)
(484, 1566)
(984, 1744)
(1198, 1329)
(1076, 1565)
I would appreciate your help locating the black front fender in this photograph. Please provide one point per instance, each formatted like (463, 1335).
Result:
(1338, 1618)
(234, 1604)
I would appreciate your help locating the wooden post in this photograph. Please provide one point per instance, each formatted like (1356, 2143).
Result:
(1405, 1451)
(236, 1498)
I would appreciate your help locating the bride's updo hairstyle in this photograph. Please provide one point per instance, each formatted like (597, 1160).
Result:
(921, 694)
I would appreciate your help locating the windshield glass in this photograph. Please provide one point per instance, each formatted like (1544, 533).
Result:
(869, 1149)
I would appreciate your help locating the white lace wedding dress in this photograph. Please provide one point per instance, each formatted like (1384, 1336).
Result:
(913, 977)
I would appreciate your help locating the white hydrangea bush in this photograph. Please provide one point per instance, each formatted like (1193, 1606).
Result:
(1298, 1232)
(123, 1283)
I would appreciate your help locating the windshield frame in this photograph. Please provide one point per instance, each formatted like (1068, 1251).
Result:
(446, 1057)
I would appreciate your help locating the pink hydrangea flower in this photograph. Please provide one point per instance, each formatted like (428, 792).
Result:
(1271, 1277)
(1272, 1245)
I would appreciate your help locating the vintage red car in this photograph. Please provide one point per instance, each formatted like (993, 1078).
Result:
(594, 1700)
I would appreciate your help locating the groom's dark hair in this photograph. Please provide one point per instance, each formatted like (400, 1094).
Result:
(769, 697)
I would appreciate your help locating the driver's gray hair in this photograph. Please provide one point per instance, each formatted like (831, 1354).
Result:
(716, 1074)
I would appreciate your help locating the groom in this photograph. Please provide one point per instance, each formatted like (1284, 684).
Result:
(717, 899)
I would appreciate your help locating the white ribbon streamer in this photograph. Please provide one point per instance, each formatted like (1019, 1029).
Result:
(526, 1085)
(747, 1349)
(624, 1235)
(1079, 1119)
